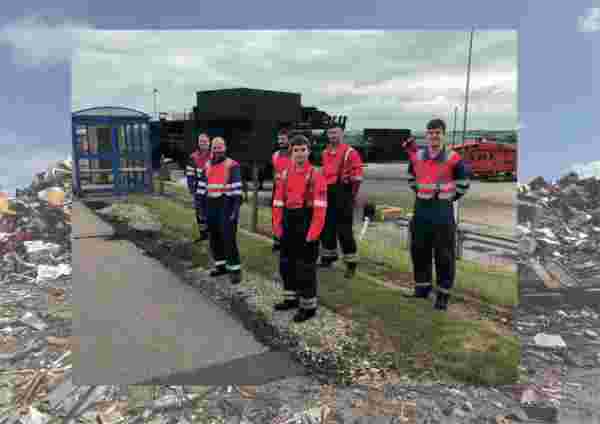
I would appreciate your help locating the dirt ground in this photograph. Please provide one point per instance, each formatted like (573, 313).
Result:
(482, 212)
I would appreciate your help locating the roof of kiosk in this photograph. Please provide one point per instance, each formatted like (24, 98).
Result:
(117, 111)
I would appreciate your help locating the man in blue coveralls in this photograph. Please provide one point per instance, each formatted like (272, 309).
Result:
(439, 177)
(220, 190)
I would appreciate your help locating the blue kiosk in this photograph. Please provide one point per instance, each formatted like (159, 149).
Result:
(112, 151)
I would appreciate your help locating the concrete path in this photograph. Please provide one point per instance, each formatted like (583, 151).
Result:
(136, 321)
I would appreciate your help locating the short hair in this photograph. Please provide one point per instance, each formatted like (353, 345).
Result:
(435, 124)
(335, 124)
(282, 132)
(218, 140)
(299, 140)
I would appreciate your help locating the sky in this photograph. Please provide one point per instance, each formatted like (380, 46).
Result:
(380, 78)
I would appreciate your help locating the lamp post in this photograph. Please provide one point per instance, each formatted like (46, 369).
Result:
(467, 88)
(454, 129)
(459, 243)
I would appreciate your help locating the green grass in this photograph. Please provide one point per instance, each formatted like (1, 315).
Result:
(380, 260)
(491, 285)
(414, 327)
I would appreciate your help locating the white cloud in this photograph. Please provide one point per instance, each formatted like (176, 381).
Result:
(585, 170)
(42, 40)
(373, 76)
(590, 22)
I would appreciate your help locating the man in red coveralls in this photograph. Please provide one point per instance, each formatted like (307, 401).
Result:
(194, 170)
(298, 218)
(342, 169)
(281, 160)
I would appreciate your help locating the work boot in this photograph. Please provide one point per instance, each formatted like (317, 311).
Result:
(235, 278)
(326, 262)
(350, 270)
(287, 304)
(304, 315)
(218, 271)
(441, 301)
(203, 237)
(276, 244)
(421, 292)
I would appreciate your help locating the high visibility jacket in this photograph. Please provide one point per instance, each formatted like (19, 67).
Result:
(281, 160)
(221, 179)
(195, 168)
(301, 188)
(443, 177)
(344, 166)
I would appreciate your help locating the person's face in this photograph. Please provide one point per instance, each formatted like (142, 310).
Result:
(203, 142)
(300, 153)
(219, 150)
(283, 141)
(435, 137)
(335, 135)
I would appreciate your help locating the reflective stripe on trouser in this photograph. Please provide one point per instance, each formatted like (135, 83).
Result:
(306, 278)
(338, 223)
(297, 260)
(439, 239)
(308, 303)
(223, 235)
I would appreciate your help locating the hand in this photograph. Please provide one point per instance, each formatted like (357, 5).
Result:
(409, 143)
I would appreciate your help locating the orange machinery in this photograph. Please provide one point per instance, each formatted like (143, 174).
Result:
(489, 159)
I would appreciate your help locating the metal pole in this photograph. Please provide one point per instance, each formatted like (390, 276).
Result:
(459, 246)
(467, 88)
(454, 130)
(255, 199)
(154, 93)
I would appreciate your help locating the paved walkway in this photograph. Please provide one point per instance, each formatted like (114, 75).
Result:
(136, 321)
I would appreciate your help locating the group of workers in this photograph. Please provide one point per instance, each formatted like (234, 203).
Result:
(313, 209)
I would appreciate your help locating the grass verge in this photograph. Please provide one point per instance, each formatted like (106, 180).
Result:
(392, 263)
(419, 340)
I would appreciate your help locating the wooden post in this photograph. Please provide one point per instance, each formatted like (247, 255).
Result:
(255, 199)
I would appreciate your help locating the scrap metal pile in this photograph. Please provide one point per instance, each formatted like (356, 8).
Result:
(36, 309)
(35, 277)
(560, 231)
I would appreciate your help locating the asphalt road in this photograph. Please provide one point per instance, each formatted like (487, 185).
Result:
(136, 321)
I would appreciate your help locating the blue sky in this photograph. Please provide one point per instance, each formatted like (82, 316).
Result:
(558, 56)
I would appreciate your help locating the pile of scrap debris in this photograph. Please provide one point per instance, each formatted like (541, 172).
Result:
(35, 276)
(559, 226)
(36, 305)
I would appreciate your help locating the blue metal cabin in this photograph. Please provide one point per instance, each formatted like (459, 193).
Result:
(112, 151)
